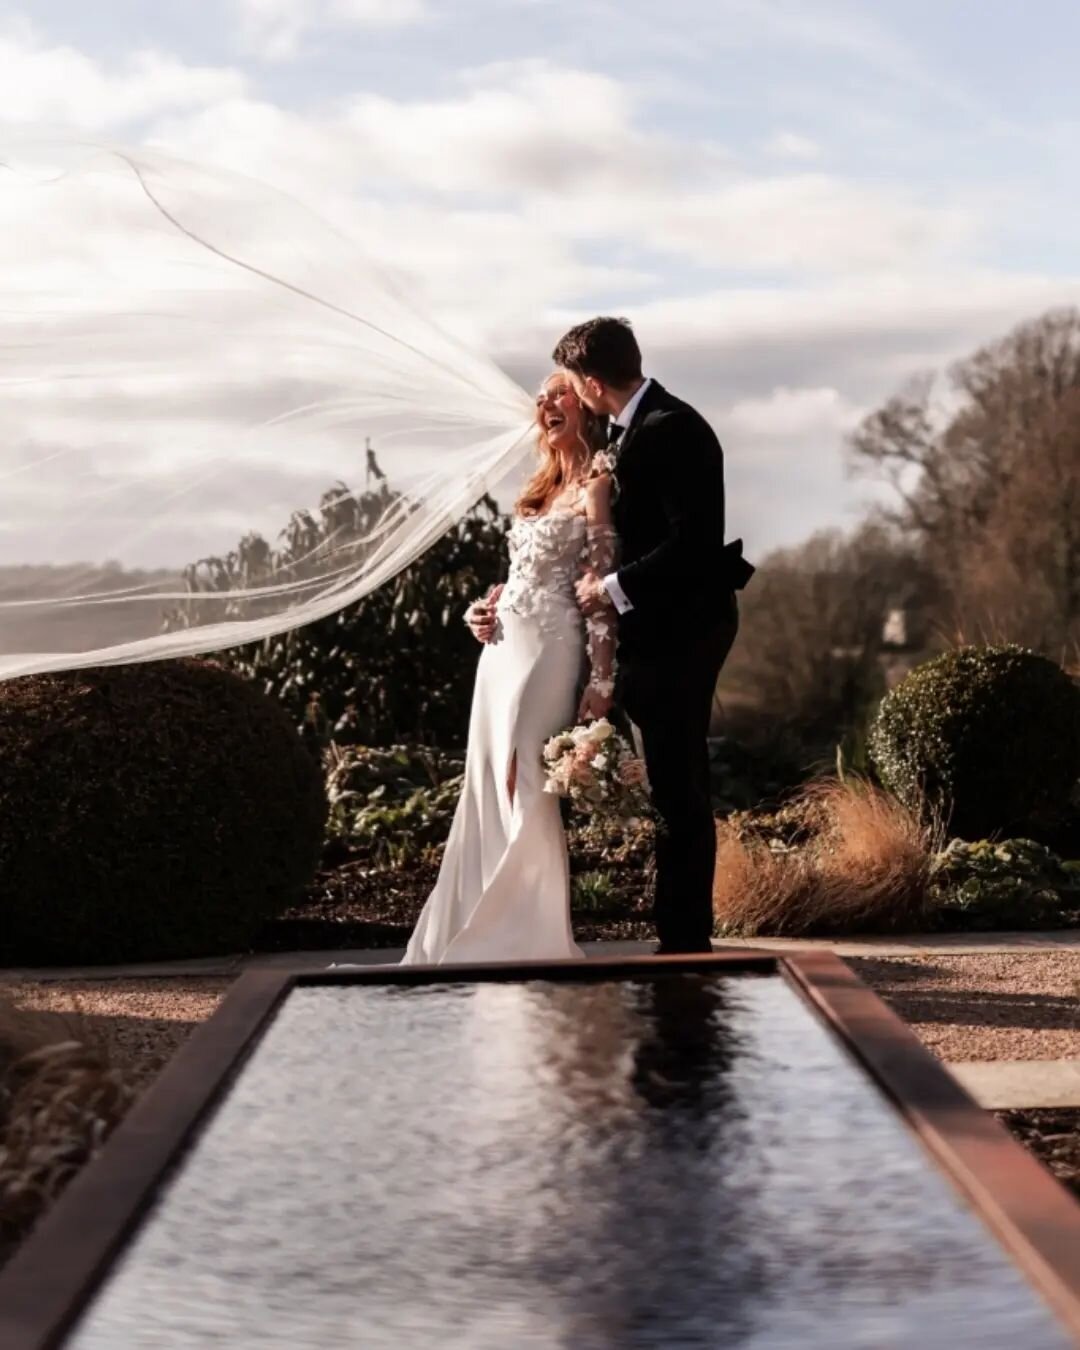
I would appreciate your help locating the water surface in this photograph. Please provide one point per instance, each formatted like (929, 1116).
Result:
(671, 1161)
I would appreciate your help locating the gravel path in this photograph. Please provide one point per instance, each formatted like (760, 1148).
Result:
(1007, 1005)
(990, 1006)
(141, 1022)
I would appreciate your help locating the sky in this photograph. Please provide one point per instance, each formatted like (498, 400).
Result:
(800, 206)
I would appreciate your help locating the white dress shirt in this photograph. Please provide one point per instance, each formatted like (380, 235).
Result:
(619, 598)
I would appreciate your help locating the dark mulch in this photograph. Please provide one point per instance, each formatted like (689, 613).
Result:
(354, 904)
(1053, 1136)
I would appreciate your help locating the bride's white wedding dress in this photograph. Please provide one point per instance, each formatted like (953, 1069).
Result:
(503, 891)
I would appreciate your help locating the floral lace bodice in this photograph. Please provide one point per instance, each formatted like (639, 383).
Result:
(546, 558)
(548, 554)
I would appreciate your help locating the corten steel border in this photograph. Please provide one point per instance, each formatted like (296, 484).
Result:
(52, 1277)
(1032, 1215)
(53, 1274)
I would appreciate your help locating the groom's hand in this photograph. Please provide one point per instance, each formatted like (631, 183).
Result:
(591, 594)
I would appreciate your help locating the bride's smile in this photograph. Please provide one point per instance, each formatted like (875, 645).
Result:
(559, 414)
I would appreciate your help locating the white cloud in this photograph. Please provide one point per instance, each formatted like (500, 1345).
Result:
(58, 85)
(797, 222)
(516, 131)
(790, 145)
(507, 223)
(794, 412)
(511, 143)
(473, 264)
(533, 193)
(376, 13)
(275, 29)
(519, 128)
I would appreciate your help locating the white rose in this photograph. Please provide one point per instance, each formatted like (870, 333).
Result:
(599, 761)
(603, 729)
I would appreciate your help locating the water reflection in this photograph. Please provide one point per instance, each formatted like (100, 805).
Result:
(689, 1043)
(668, 1161)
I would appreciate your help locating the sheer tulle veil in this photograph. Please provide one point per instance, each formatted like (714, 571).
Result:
(191, 365)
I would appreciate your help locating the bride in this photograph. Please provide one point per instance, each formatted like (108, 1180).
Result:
(503, 891)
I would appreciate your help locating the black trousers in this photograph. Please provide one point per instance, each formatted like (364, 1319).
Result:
(666, 688)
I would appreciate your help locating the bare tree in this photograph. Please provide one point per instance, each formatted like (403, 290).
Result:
(990, 489)
(813, 626)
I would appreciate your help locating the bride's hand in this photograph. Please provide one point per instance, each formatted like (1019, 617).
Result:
(594, 705)
(480, 616)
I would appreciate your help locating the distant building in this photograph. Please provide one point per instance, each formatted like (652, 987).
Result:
(895, 631)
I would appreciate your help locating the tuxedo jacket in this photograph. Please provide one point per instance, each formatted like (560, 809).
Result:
(675, 568)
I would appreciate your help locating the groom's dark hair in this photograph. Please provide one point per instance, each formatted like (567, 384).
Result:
(606, 349)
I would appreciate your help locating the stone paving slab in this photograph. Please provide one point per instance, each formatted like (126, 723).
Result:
(957, 944)
(1014, 1085)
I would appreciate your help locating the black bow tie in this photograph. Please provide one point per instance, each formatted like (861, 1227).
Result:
(614, 432)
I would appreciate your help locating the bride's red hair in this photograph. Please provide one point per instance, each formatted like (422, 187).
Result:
(551, 477)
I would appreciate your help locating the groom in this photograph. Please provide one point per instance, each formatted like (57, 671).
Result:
(675, 596)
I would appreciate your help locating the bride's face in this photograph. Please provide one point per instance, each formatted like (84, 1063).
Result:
(558, 413)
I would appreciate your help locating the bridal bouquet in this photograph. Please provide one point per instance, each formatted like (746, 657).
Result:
(596, 769)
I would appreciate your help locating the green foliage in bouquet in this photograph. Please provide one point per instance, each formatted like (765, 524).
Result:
(594, 767)
(397, 665)
(1014, 884)
(987, 739)
(149, 811)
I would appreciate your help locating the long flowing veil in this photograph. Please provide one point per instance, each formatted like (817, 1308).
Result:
(193, 368)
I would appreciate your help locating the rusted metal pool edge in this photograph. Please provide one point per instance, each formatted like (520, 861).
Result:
(49, 1281)
(1021, 1202)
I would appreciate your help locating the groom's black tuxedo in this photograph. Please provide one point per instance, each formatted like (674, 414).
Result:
(669, 513)
(680, 580)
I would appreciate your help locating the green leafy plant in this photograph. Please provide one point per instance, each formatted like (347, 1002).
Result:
(986, 738)
(593, 892)
(396, 666)
(1015, 883)
(392, 803)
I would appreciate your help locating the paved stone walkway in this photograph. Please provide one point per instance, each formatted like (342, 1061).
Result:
(953, 944)
(1023, 1084)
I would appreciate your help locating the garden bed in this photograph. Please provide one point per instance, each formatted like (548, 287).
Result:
(354, 904)
(1054, 1138)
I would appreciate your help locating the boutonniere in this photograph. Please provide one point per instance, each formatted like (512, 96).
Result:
(603, 462)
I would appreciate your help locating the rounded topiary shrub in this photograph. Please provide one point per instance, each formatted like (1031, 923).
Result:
(986, 738)
(148, 811)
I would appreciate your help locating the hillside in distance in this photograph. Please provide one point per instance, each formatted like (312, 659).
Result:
(26, 627)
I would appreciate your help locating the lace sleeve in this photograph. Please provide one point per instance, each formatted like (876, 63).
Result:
(600, 545)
